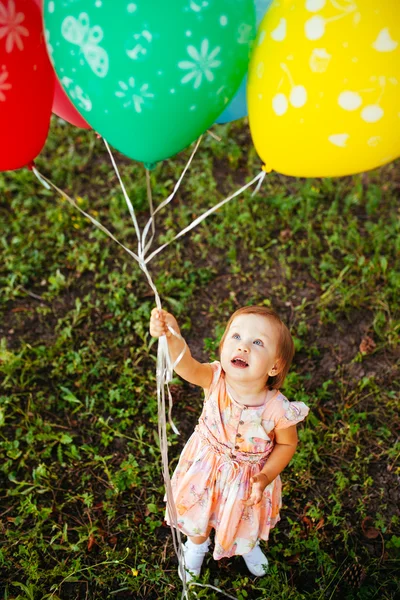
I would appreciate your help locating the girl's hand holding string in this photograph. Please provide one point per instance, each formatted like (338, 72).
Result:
(259, 482)
(159, 321)
(188, 368)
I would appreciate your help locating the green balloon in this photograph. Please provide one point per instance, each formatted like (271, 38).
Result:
(151, 75)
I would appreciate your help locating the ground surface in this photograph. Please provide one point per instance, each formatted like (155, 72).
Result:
(80, 475)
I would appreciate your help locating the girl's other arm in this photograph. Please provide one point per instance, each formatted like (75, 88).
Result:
(282, 454)
(280, 457)
(188, 368)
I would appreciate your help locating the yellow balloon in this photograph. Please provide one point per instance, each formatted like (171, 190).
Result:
(324, 86)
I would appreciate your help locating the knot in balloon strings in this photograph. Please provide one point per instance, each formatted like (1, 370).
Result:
(266, 169)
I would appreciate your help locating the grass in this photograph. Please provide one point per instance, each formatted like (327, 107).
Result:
(82, 512)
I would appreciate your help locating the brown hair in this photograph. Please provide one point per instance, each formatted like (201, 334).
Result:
(285, 349)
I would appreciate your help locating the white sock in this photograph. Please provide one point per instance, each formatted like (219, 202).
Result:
(194, 554)
(256, 561)
(256, 555)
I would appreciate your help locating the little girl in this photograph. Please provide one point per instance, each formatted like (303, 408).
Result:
(227, 478)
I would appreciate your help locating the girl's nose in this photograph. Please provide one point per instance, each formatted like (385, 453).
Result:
(242, 348)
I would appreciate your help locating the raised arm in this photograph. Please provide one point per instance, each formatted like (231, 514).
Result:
(188, 368)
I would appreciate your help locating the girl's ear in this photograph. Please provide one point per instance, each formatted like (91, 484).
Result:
(277, 368)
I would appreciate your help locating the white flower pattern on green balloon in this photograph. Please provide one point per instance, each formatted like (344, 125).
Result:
(76, 92)
(4, 85)
(10, 26)
(142, 43)
(78, 31)
(201, 65)
(245, 34)
(197, 6)
(133, 94)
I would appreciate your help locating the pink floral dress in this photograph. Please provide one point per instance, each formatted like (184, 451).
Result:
(231, 442)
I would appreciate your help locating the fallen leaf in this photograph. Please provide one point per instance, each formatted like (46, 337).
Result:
(285, 235)
(91, 541)
(293, 559)
(307, 522)
(367, 345)
(307, 527)
(369, 530)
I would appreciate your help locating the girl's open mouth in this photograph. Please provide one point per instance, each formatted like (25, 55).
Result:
(239, 363)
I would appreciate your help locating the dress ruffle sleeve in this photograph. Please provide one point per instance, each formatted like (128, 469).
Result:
(289, 413)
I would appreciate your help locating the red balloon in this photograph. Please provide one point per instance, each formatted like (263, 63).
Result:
(26, 84)
(62, 105)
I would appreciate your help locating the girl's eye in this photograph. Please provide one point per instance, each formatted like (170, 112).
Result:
(236, 336)
(258, 342)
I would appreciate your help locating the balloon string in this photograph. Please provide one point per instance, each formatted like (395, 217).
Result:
(214, 135)
(151, 210)
(127, 199)
(49, 184)
(259, 178)
(213, 588)
(169, 198)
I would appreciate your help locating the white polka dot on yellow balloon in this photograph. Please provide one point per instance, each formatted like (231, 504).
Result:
(324, 86)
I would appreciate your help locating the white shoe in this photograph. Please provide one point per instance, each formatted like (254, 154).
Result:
(256, 561)
(193, 557)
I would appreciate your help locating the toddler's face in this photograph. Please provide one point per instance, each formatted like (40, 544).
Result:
(249, 351)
